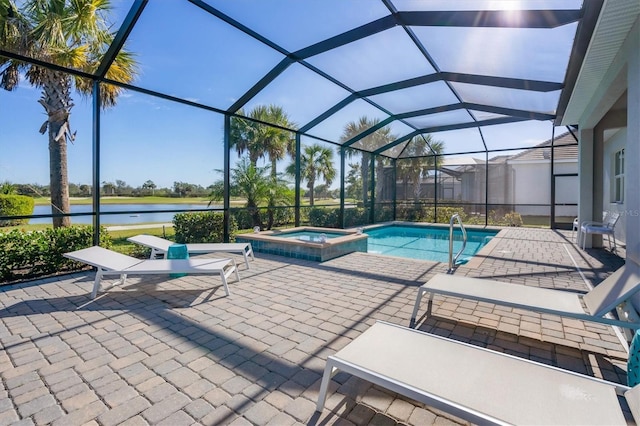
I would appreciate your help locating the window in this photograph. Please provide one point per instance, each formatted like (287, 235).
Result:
(618, 190)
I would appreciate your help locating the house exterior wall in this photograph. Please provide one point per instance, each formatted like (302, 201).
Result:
(533, 186)
(617, 142)
(632, 150)
(500, 184)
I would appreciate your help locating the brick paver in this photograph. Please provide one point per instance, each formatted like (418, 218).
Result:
(177, 351)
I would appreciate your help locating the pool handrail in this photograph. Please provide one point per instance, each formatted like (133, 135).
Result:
(453, 259)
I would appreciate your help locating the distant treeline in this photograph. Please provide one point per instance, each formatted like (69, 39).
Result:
(119, 188)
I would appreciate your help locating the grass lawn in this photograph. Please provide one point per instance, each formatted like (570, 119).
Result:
(44, 201)
(120, 243)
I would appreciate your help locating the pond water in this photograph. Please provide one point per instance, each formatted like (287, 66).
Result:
(153, 213)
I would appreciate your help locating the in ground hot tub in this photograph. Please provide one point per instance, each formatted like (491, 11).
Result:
(307, 242)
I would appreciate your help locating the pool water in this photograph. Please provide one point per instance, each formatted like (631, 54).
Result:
(423, 242)
(311, 236)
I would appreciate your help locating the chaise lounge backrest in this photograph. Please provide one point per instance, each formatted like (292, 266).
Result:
(104, 258)
(618, 287)
(153, 241)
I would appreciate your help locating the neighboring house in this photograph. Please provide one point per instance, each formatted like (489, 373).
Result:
(531, 174)
(520, 182)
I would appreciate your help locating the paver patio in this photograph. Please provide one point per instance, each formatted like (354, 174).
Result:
(177, 351)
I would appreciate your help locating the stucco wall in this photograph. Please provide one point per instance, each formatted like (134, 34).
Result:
(533, 186)
(611, 146)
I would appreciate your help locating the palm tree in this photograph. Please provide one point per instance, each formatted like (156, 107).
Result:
(7, 188)
(149, 186)
(109, 188)
(422, 154)
(72, 34)
(371, 142)
(261, 140)
(316, 162)
(256, 185)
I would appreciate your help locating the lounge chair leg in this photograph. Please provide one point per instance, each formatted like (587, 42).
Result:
(324, 386)
(251, 251)
(235, 267)
(414, 315)
(224, 283)
(246, 259)
(96, 283)
(430, 304)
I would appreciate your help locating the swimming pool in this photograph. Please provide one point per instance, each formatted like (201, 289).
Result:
(424, 242)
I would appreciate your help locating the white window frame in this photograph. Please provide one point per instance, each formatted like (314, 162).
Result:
(618, 177)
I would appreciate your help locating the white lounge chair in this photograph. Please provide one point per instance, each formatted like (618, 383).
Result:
(606, 227)
(477, 384)
(611, 292)
(161, 246)
(109, 262)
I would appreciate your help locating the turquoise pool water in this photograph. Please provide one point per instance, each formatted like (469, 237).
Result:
(426, 243)
(312, 236)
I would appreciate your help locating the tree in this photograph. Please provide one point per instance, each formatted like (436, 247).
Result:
(184, 189)
(422, 157)
(108, 188)
(261, 140)
(72, 34)
(316, 162)
(149, 186)
(122, 188)
(85, 190)
(353, 181)
(7, 188)
(255, 184)
(375, 140)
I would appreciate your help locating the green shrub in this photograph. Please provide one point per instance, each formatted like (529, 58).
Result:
(445, 213)
(30, 254)
(304, 214)
(283, 216)
(356, 217)
(413, 213)
(202, 227)
(15, 205)
(502, 218)
(243, 219)
(512, 219)
(323, 217)
(384, 213)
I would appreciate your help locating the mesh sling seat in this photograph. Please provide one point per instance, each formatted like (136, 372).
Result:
(109, 262)
(477, 384)
(616, 289)
(606, 227)
(160, 246)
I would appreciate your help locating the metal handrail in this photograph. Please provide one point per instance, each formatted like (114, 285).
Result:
(453, 259)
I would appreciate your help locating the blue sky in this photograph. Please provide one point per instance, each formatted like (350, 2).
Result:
(204, 60)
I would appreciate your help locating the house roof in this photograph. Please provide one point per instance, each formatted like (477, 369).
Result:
(614, 22)
(565, 145)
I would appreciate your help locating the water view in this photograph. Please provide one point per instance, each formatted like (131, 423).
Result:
(156, 215)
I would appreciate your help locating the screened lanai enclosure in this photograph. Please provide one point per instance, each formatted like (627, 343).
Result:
(278, 113)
